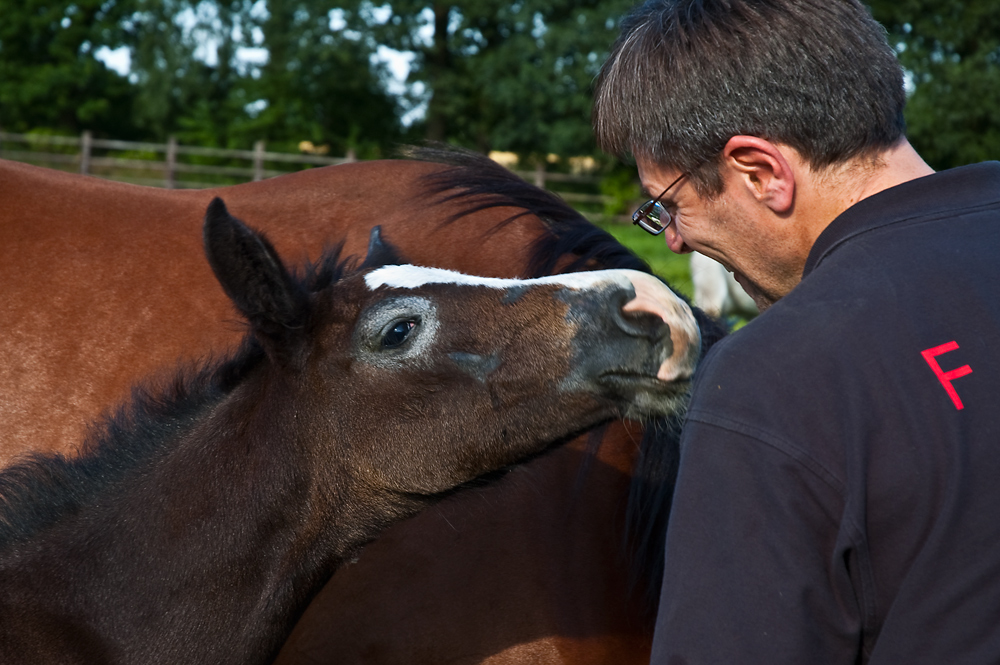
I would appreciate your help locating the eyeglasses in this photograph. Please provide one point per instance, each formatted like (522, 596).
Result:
(653, 217)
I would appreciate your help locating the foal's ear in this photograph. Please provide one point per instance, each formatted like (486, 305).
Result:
(253, 276)
(380, 251)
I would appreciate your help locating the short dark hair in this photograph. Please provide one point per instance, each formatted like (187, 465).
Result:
(685, 76)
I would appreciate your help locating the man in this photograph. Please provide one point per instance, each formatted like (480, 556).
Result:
(838, 494)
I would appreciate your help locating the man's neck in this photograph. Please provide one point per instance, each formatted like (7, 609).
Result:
(897, 165)
(823, 195)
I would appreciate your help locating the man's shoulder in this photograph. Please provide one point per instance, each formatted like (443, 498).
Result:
(789, 367)
(908, 211)
(785, 341)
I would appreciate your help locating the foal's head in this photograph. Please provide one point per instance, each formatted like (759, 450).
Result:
(408, 381)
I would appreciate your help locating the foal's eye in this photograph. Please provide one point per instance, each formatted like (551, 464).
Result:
(397, 334)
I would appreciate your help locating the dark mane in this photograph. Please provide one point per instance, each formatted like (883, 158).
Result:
(37, 490)
(481, 184)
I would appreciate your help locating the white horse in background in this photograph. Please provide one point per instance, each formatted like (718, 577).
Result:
(717, 292)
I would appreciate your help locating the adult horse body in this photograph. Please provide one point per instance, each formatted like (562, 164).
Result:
(200, 525)
(463, 582)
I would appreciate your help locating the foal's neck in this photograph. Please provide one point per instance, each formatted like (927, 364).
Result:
(206, 550)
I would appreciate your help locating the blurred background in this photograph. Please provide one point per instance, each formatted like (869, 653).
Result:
(103, 84)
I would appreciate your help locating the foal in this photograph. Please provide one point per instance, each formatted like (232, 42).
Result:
(200, 523)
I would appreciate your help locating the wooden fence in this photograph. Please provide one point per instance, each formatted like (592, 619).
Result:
(169, 165)
(173, 165)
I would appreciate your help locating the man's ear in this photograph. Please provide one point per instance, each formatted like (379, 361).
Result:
(763, 169)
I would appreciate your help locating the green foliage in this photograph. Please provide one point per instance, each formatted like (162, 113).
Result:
(49, 75)
(496, 75)
(621, 184)
(319, 84)
(162, 64)
(952, 52)
(501, 75)
(186, 77)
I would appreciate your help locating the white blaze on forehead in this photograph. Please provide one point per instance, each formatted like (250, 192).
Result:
(411, 277)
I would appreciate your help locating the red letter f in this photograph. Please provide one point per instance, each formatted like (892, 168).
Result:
(946, 377)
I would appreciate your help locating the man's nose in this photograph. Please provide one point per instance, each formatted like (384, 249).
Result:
(674, 240)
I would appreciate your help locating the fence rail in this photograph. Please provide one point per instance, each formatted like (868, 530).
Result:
(171, 164)
(155, 163)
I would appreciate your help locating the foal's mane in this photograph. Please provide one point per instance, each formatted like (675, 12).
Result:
(479, 183)
(39, 489)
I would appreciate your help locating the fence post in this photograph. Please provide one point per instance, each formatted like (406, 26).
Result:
(258, 161)
(86, 143)
(351, 155)
(540, 175)
(171, 169)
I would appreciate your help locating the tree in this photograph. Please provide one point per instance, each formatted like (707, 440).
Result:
(49, 75)
(320, 84)
(500, 75)
(170, 80)
(952, 54)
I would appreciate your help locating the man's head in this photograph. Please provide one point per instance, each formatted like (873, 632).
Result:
(779, 114)
(686, 75)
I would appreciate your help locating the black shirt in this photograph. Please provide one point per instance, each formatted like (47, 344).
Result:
(838, 498)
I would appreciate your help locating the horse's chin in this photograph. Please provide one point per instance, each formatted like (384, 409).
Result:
(644, 396)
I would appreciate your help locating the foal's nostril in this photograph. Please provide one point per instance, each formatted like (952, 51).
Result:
(638, 323)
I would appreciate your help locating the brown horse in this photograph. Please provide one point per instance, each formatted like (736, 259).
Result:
(201, 524)
(470, 579)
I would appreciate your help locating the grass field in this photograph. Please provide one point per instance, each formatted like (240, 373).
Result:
(673, 267)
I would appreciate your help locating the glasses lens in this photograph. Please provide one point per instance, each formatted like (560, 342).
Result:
(649, 217)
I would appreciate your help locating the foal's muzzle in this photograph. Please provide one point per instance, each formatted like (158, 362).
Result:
(636, 341)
